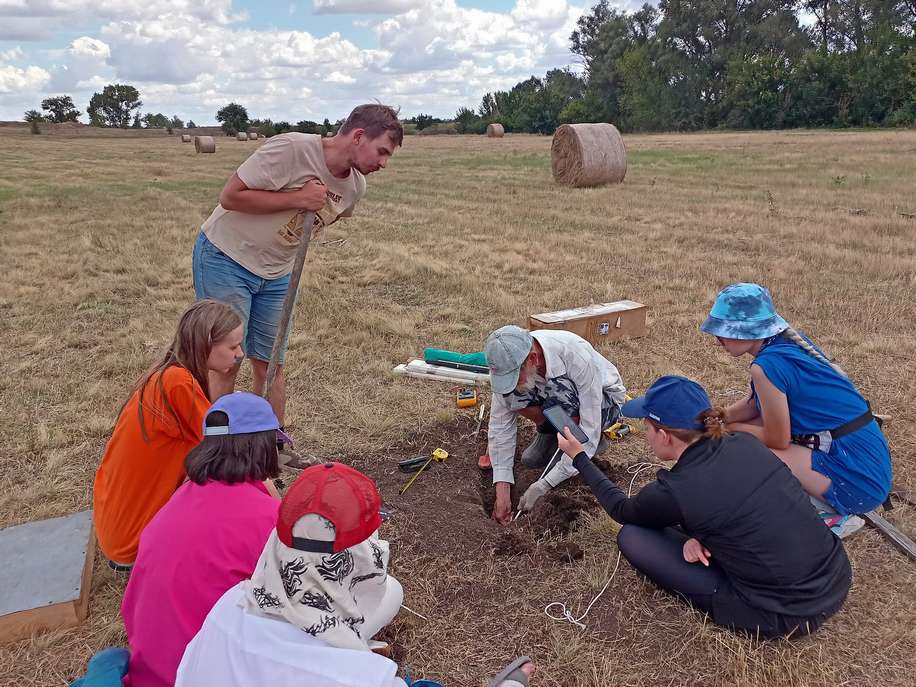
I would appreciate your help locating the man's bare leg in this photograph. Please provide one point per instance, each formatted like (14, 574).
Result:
(277, 391)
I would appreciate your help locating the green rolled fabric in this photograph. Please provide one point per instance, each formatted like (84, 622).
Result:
(431, 355)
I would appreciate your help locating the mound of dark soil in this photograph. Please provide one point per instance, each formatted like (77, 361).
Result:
(557, 513)
(511, 543)
(566, 553)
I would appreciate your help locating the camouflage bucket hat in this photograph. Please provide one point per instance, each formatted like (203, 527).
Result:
(744, 311)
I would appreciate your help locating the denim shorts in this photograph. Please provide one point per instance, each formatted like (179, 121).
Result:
(259, 301)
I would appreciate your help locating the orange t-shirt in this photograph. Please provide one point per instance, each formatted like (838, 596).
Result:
(137, 477)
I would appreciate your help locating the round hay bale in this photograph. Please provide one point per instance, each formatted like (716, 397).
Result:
(185, 138)
(241, 136)
(204, 144)
(495, 130)
(588, 155)
(252, 135)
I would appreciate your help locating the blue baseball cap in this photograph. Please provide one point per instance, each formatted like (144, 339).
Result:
(506, 349)
(248, 413)
(744, 311)
(672, 401)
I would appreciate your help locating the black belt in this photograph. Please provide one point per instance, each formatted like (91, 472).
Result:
(813, 441)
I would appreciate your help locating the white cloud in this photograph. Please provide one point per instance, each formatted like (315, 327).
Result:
(85, 47)
(428, 56)
(365, 6)
(11, 55)
(16, 80)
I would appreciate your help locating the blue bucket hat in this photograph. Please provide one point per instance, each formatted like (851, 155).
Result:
(672, 401)
(744, 311)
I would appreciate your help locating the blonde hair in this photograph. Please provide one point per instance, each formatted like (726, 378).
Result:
(800, 341)
(202, 324)
(713, 420)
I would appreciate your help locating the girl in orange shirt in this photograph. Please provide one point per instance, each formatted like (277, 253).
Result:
(158, 424)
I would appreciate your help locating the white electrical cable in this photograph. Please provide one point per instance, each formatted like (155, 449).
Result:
(567, 616)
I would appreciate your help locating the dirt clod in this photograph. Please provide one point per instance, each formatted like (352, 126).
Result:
(566, 553)
(510, 543)
(557, 513)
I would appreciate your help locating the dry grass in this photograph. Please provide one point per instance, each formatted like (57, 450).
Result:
(458, 236)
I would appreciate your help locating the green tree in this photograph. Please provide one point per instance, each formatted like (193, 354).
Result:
(464, 120)
(136, 123)
(155, 121)
(60, 109)
(33, 116)
(425, 120)
(234, 119)
(307, 126)
(113, 106)
(191, 124)
(176, 122)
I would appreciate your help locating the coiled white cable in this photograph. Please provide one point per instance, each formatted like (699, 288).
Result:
(567, 616)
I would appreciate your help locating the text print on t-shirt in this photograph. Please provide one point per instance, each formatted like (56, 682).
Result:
(291, 232)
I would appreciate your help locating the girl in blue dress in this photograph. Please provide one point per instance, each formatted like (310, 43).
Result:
(802, 405)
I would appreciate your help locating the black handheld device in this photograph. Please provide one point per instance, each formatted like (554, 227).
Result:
(559, 418)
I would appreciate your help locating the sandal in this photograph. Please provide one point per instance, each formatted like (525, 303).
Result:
(513, 672)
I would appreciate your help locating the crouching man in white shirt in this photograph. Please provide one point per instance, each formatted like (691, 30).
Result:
(530, 371)
(319, 593)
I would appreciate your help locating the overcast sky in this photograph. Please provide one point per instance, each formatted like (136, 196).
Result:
(286, 60)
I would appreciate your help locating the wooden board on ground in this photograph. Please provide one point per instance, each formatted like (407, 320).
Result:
(46, 574)
(898, 538)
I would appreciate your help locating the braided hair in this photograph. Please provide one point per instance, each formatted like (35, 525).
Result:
(796, 338)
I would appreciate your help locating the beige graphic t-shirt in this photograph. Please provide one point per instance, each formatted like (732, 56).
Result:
(266, 244)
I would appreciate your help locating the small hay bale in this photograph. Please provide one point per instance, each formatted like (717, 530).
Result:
(185, 138)
(204, 144)
(252, 135)
(241, 136)
(495, 130)
(588, 155)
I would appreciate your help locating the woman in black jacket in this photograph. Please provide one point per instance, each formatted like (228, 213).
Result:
(728, 528)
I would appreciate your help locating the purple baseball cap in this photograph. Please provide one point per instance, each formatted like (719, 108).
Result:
(248, 413)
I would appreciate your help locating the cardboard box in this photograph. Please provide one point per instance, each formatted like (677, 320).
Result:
(598, 323)
(46, 575)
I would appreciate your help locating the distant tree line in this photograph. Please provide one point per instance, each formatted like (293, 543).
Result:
(117, 106)
(701, 64)
(234, 119)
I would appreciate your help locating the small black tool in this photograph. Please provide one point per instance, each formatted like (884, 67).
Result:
(412, 464)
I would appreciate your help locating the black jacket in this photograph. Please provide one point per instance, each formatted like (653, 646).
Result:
(744, 505)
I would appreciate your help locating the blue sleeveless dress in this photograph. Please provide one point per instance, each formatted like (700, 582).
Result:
(820, 399)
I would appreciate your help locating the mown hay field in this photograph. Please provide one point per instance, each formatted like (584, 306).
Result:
(458, 236)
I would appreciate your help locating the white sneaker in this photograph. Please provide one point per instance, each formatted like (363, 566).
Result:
(842, 525)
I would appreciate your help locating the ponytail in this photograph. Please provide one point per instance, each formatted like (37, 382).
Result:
(713, 422)
(800, 341)
(712, 419)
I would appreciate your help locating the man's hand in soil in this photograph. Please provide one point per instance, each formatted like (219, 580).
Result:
(502, 508)
(533, 494)
(311, 196)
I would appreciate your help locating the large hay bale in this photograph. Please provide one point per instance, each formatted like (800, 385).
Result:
(241, 136)
(588, 155)
(495, 130)
(252, 135)
(204, 144)
(185, 138)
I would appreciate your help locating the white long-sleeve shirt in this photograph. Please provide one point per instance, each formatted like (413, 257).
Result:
(571, 362)
(236, 648)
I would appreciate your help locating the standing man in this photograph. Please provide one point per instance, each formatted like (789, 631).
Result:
(530, 371)
(245, 250)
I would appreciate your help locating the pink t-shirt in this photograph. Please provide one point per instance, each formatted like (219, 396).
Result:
(202, 542)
